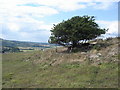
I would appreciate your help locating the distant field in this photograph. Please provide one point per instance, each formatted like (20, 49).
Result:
(26, 49)
(51, 69)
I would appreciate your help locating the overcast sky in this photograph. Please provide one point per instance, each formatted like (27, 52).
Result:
(31, 20)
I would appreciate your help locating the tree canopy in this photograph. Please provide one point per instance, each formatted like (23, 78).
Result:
(71, 32)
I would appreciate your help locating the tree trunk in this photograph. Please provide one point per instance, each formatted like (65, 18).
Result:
(74, 44)
(56, 49)
(69, 49)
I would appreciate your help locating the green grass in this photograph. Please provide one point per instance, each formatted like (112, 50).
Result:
(20, 70)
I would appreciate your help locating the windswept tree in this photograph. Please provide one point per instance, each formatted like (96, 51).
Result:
(71, 32)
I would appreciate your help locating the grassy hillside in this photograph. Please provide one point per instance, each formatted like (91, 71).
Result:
(93, 68)
(10, 46)
(11, 43)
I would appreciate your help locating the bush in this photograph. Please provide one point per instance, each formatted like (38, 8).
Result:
(97, 47)
(10, 49)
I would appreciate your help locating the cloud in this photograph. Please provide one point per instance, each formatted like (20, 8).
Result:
(111, 25)
(102, 5)
(21, 17)
(18, 24)
(13, 27)
(26, 29)
(26, 34)
(48, 7)
(42, 8)
(15, 10)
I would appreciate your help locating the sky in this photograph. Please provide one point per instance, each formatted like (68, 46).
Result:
(32, 20)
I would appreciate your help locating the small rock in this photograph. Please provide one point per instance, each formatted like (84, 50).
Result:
(112, 53)
(94, 56)
(99, 54)
(83, 52)
(27, 60)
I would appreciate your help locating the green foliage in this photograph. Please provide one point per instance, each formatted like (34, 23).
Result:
(10, 49)
(73, 30)
(8, 76)
(97, 47)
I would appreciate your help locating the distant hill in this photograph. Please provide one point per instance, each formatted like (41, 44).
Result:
(12, 43)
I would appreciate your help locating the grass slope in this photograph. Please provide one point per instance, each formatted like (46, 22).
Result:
(12, 43)
(48, 69)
